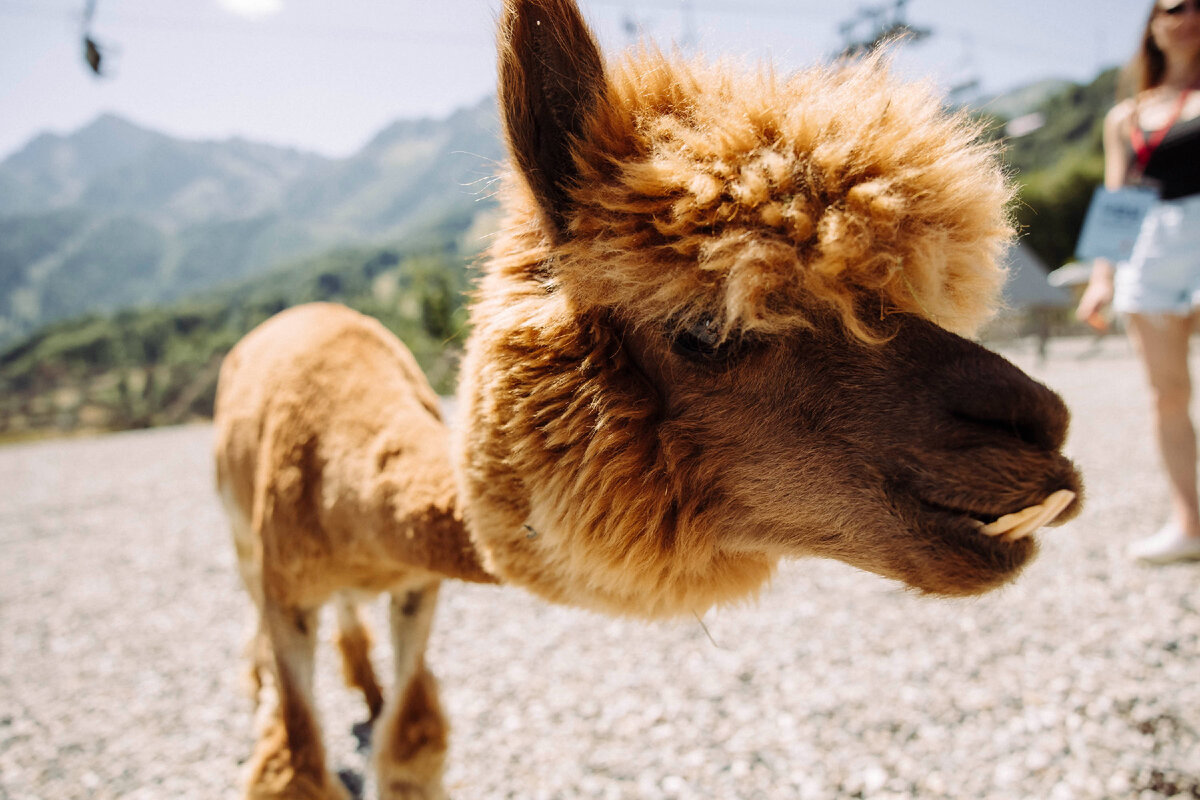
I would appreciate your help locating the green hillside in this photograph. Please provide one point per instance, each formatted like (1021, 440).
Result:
(1058, 166)
(158, 366)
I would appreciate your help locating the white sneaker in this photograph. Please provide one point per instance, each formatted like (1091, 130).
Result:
(1168, 546)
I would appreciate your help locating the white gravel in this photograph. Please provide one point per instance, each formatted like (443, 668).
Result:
(121, 622)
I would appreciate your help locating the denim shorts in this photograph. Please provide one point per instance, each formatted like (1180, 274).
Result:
(1162, 275)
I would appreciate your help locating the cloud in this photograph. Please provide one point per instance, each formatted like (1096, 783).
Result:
(252, 9)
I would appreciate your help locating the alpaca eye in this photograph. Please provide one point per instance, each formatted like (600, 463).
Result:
(701, 341)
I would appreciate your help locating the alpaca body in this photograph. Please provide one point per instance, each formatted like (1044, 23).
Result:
(331, 443)
(332, 461)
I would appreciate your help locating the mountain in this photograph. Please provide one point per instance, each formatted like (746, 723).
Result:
(114, 215)
(1022, 100)
(53, 171)
(410, 174)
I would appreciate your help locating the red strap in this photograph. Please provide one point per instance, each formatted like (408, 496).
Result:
(1145, 149)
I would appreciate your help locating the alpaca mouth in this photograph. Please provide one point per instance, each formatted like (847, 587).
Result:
(1014, 526)
(1020, 524)
(967, 552)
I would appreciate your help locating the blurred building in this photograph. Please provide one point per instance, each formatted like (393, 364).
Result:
(1031, 306)
(1027, 288)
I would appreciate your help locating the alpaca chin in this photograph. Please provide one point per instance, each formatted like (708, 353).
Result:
(625, 564)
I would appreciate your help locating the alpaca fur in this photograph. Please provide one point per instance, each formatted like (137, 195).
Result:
(386, 468)
(719, 328)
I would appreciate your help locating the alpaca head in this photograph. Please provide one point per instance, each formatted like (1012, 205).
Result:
(720, 328)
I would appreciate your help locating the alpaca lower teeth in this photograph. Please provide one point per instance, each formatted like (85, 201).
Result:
(1021, 523)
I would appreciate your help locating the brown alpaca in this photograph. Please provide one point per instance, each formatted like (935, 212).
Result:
(333, 465)
(715, 332)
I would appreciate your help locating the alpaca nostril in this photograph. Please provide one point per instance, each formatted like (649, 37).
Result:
(1016, 406)
(1024, 430)
(977, 386)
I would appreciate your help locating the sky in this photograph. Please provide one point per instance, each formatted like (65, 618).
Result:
(326, 76)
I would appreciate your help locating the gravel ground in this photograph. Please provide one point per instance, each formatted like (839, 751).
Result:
(121, 622)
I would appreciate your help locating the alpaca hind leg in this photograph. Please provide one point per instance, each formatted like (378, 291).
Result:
(257, 655)
(257, 650)
(410, 737)
(289, 760)
(353, 640)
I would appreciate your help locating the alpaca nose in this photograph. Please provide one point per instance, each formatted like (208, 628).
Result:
(997, 394)
(972, 384)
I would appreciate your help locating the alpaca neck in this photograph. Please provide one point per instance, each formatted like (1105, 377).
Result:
(422, 524)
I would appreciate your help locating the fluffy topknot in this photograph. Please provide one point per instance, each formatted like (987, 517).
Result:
(749, 199)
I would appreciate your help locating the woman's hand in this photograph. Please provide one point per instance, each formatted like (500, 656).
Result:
(1097, 297)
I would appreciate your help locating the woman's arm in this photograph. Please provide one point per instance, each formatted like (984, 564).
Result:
(1116, 134)
(1099, 292)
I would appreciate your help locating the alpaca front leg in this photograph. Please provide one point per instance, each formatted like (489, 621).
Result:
(289, 760)
(410, 738)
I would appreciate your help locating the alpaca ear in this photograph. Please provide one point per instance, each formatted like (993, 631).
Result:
(551, 80)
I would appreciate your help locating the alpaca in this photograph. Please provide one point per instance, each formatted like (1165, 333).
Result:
(333, 466)
(721, 326)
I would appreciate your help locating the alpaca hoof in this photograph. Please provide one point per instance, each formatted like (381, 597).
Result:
(417, 779)
(298, 787)
(273, 775)
(406, 783)
(399, 789)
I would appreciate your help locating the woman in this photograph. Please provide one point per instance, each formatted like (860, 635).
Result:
(1153, 138)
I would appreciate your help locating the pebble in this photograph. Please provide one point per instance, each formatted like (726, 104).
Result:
(122, 621)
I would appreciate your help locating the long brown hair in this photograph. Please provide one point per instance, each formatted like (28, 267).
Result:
(1148, 66)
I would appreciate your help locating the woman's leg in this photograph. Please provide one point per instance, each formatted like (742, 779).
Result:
(1162, 341)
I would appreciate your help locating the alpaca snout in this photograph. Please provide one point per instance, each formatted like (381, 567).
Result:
(973, 385)
(991, 392)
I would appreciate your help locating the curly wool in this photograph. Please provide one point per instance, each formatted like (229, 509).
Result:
(745, 197)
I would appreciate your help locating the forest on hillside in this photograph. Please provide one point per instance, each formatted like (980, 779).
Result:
(1059, 165)
(158, 366)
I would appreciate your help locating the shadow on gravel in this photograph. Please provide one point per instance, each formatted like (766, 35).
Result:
(362, 735)
(353, 781)
(1170, 785)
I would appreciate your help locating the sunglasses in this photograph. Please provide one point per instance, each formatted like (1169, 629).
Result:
(1178, 8)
